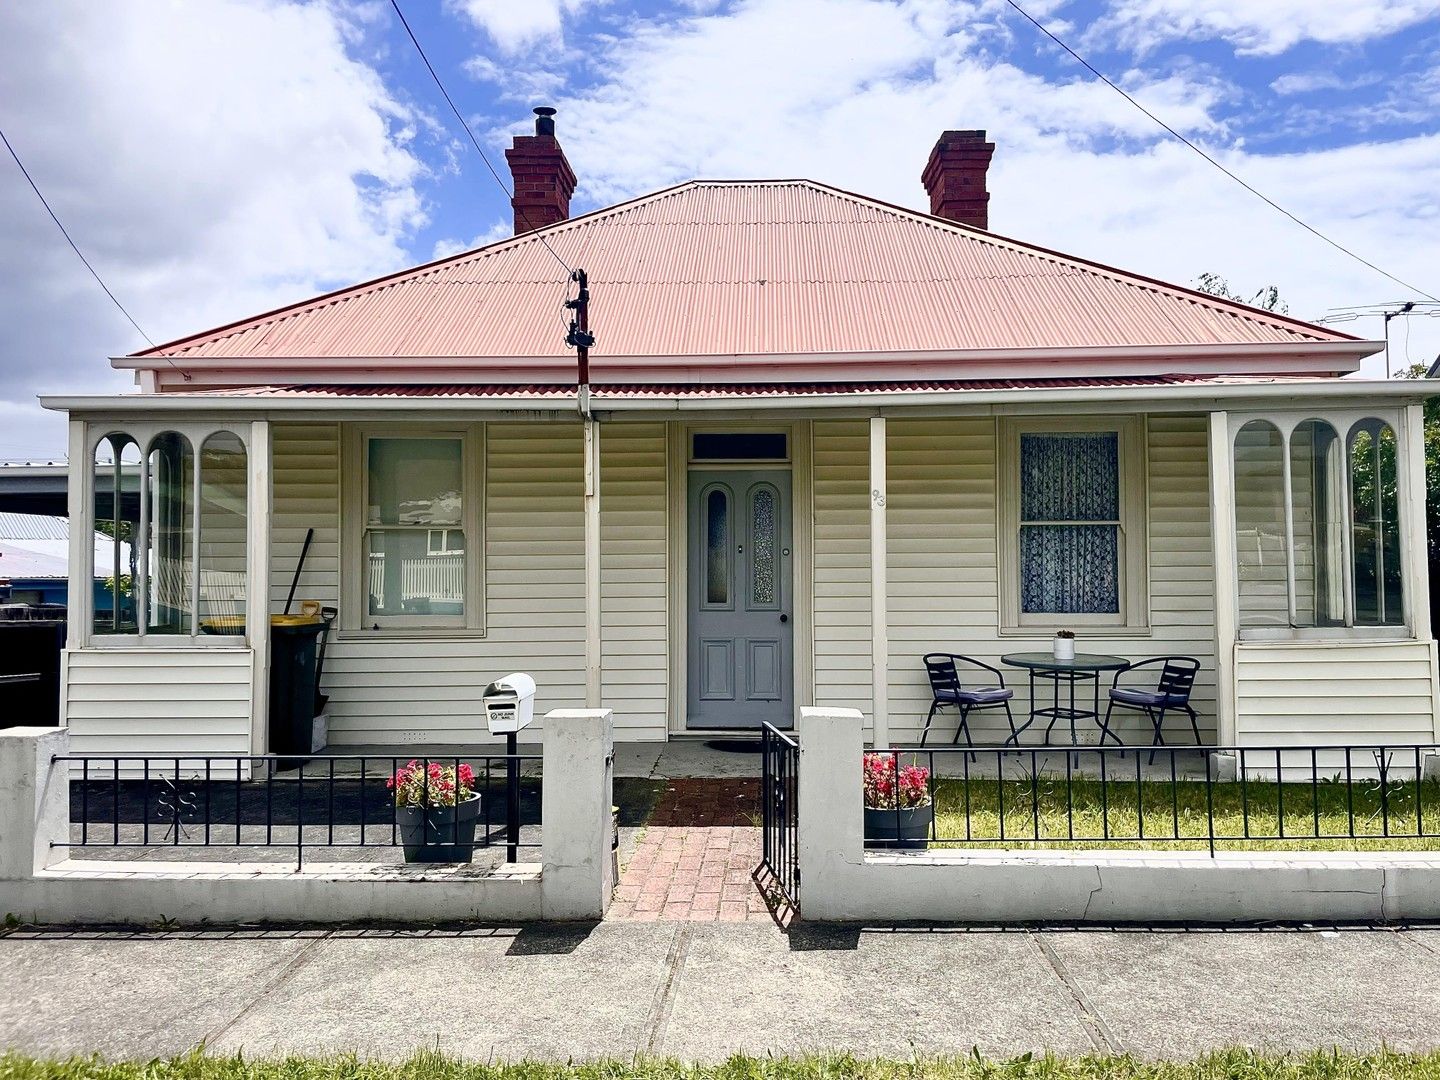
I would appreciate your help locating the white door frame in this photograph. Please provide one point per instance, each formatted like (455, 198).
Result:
(677, 472)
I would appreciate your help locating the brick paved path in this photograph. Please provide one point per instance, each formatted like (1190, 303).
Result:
(697, 856)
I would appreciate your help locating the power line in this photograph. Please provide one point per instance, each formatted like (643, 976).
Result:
(73, 246)
(474, 141)
(1258, 194)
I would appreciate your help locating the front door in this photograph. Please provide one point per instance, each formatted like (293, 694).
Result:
(740, 652)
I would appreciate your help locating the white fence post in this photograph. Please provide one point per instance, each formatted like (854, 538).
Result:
(576, 825)
(830, 832)
(34, 800)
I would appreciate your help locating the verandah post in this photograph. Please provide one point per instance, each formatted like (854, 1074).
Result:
(1222, 527)
(257, 579)
(592, 563)
(1414, 555)
(81, 507)
(879, 588)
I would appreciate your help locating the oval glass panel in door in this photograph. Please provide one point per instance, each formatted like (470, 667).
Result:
(762, 553)
(717, 547)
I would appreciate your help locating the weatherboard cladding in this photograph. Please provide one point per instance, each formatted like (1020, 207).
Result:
(714, 268)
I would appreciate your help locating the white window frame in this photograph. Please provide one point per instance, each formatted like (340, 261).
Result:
(144, 434)
(1343, 422)
(1133, 618)
(355, 619)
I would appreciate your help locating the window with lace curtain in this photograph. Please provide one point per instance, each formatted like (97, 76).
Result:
(1072, 542)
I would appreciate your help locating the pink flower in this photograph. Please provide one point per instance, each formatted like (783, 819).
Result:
(434, 784)
(883, 775)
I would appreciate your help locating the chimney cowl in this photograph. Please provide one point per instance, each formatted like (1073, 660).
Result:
(955, 177)
(540, 175)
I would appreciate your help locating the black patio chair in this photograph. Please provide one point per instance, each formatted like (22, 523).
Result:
(1171, 693)
(947, 690)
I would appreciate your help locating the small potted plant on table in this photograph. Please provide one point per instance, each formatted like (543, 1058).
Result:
(899, 812)
(436, 807)
(1064, 645)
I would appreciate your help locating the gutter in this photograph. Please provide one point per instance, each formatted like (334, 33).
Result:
(1355, 391)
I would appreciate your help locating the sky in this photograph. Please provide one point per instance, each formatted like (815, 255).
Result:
(218, 159)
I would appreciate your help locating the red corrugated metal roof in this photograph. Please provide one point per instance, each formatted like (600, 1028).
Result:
(749, 268)
(698, 390)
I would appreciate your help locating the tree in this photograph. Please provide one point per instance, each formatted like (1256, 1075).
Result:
(1432, 468)
(1268, 298)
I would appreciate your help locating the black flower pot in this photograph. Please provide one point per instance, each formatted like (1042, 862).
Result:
(439, 833)
(909, 829)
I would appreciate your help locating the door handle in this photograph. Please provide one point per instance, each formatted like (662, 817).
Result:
(784, 617)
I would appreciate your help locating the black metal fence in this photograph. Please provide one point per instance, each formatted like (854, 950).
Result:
(249, 806)
(1349, 797)
(779, 809)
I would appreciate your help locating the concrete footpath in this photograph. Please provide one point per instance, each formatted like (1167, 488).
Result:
(703, 991)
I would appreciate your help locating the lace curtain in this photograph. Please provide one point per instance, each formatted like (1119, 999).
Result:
(1070, 523)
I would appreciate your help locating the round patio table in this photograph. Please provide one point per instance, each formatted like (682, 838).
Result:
(1086, 667)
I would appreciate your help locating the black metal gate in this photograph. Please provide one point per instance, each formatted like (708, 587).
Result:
(779, 802)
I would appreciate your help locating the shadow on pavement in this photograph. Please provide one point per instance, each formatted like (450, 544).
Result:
(550, 939)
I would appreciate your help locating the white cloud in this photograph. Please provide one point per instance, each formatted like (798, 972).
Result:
(847, 90)
(1308, 82)
(499, 230)
(520, 82)
(515, 25)
(855, 93)
(1255, 28)
(213, 161)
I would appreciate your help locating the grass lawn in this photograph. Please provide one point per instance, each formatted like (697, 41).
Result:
(1227, 1065)
(1315, 817)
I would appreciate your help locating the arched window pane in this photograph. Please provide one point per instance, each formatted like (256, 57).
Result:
(1317, 485)
(1260, 526)
(717, 547)
(1375, 541)
(117, 528)
(222, 534)
(170, 550)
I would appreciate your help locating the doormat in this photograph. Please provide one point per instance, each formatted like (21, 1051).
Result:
(736, 746)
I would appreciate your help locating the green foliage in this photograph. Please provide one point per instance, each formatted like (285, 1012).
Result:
(110, 527)
(1267, 298)
(1432, 463)
(127, 585)
(1233, 1064)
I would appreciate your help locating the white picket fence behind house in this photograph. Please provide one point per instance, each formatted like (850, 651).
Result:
(222, 592)
(433, 577)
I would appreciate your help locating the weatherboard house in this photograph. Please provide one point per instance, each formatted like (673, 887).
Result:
(823, 436)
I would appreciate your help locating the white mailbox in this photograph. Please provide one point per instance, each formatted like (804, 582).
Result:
(510, 704)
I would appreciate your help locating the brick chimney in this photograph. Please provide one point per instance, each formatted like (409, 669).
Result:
(955, 178)
(543, 179)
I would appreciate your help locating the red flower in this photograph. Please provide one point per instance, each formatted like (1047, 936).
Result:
(883, 775)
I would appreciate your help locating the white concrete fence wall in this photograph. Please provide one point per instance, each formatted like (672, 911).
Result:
(841, 881)
(39, 882)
